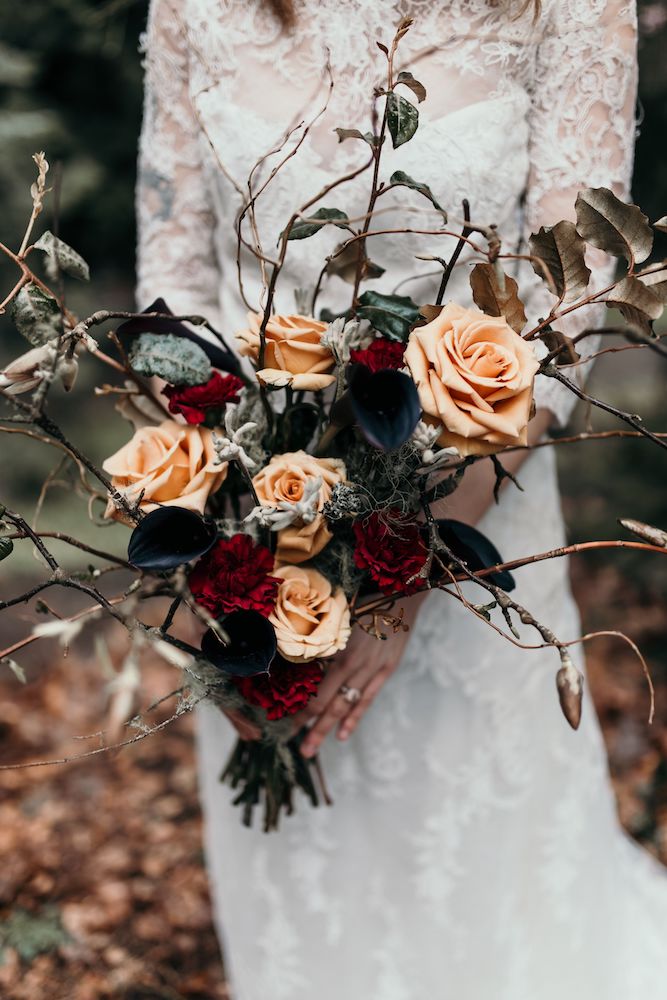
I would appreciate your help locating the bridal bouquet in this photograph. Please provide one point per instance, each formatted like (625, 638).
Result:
(286, 499)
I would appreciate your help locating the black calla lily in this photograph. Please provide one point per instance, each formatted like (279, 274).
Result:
(219, 357)
(168, 537)
(252, 644)
(475, 550)
(385, 405)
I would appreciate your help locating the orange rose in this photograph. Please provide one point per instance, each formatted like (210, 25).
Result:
(311, 620)
(284, 480)
(474, 376)
(172, 463)
(293, 354)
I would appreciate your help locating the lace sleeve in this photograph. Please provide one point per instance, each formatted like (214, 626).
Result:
(176, 254)
(582, 135)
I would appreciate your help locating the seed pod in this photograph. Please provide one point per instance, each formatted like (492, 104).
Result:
(570, 684)
(68, 369)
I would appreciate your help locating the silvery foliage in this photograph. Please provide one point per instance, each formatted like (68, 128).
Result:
(286, 512)
(342, 336)
(424, 437)
(229, 448)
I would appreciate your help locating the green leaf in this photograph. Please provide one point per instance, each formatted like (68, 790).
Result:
(609, 224)
(391, 315)
(637, 302)
(302, 229)
(562, 249)
(175, 359)
(61, 257)
(6, 548)
(15, 668)
(417, 88)
(497, 295)
(36, 315)
(402, 119)
(354, 133)
(400, 178)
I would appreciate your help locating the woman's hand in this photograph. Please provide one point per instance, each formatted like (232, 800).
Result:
(365, 665)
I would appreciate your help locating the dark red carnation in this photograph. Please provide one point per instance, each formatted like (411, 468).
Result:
(235, 576)
(390, 547)
(192, 401)
(382, 353)
(284, 690)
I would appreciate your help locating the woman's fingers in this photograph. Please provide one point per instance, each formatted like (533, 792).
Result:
(352, 719)
(338, 706)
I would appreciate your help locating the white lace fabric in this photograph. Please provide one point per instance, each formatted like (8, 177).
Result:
(473, 850)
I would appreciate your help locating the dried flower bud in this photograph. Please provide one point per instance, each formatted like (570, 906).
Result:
(570, 684)
(26, 372)
(68, 369)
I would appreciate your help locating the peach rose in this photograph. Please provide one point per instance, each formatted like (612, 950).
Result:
(293, 354)
(311, 620)
(474, 376)
(172, 463)
(284, 480)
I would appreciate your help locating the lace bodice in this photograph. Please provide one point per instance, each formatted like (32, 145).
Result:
(519, 116)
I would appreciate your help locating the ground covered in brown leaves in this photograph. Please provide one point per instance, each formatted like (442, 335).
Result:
(102, 887)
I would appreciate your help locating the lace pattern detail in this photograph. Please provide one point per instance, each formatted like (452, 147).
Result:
(473, 850)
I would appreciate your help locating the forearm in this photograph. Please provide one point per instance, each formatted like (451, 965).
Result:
(474, 496)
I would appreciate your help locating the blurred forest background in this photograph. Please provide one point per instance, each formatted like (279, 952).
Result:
(99, 902)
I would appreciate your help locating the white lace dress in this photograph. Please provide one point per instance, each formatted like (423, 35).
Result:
(473, 852)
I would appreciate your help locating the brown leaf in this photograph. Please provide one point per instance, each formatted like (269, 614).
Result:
(638, 303)
(567, 354)
(497, 295)
(609, 224)
(562, 250)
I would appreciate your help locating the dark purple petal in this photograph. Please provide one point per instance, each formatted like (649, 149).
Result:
(385, 404)
(168, 537)
(251, 648)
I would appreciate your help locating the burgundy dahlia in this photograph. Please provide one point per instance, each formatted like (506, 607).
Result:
(193, 401)
(389, 546)
(235, 576)
(381, 354)
(284, 690)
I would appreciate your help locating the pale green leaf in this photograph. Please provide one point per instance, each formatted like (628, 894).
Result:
(174, 359)
(61, 256)
(36, 315)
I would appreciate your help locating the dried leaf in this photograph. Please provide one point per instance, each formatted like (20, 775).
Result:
(638, 303)
(661, 224)
(555, 340)
(417, 88)
(657, 282)
(495, 300)
(609, 224)
(562, 250)
(344, 265)
(402, 119)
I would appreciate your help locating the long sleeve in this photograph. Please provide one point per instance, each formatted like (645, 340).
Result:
(176, 256)
(582, 135)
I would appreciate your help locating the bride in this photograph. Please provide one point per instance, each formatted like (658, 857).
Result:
(473, 852)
